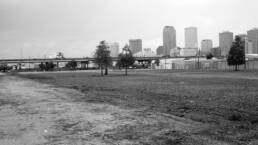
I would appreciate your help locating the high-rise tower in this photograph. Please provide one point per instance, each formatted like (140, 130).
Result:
(225, 42)
(135, 45)
(191, 38)
(169, 39)
(252, 36)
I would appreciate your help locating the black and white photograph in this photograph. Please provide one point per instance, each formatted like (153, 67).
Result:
(128, 72)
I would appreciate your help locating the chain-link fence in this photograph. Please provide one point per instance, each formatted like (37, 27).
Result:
(250, 65)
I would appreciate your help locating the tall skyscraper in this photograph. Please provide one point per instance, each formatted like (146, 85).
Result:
(135, 45)
(191, 38)
(206, 46)
(243, 38)
(114, 49)
(169, 39)
(225, 42)
(253, 39)
(250, 47)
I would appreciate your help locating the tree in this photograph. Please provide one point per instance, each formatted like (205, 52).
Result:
(126, 59)
(157, 62)
(42, 66)
(3, 67)
(60, 55)
(102, 57)
(50, 66)
(209, 56)
(236, 54)
(72, 64)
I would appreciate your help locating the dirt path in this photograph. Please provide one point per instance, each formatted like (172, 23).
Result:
(32, 113)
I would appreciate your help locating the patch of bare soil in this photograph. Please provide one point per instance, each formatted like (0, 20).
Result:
(33, 113)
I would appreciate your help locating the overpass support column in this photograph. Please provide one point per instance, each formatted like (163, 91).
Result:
(19, 66)
(57, 64)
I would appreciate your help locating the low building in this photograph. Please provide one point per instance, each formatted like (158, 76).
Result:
(160, 50)
(188, 51)
(147, 52)
(216, 51)
(206, 46)
(175, 52)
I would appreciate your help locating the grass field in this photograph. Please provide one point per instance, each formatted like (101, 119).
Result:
(227, 101)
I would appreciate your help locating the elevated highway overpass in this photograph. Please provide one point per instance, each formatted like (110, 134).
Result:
(86, 59)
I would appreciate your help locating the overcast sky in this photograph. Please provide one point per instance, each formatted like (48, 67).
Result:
(74, 27)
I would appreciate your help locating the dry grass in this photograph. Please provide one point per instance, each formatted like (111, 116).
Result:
(226, 101)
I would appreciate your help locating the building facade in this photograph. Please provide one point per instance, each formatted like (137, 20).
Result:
(243, 38)
(206, 46)
(188, 51)
(114, 49)
(175, 52)
(135, 45)
(216, 51)
(225, 42)
(169, 39)
(159, 51)
(249, 47)
(191, 37)
(253, 38)
(147, 52)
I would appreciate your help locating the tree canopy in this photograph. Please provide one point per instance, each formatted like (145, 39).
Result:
(236, 54)
(209, 56)
(47, 66)
(125, 59)
(102, 57)
(72, 64)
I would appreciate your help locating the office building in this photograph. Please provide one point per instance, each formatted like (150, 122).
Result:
(175, 52)
(114, 49)
(249, 47)
(188, 51)
(160, 50)
(169, 39)
(206, 46)
(147, 52)
(243, 38)
(252, 36)
(225, 42)
(135, 45)
(216, 51)
(191, 38)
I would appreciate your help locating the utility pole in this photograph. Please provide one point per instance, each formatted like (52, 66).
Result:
(198, 58)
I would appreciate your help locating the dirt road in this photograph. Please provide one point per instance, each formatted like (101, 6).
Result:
(32, 113)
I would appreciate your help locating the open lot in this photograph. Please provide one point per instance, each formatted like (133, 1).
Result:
(146, 107)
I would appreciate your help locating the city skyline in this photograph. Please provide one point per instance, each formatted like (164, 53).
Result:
(39, 27)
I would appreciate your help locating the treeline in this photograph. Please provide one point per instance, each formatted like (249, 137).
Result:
(50, 66)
